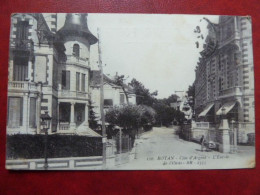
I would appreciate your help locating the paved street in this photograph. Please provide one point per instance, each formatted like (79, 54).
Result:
(161, 148)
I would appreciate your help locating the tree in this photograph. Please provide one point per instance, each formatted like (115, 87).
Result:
(166, 115)
(92, 116)
(191, 95)
(119, 80)
(171, 99)
(130, 116)
(148, 115)
(143, 95)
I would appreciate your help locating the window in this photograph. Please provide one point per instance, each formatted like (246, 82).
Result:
(83, 80)
(65, 80)
(22, 30)
(32, 119)
(76, 50)
(220, 84)
(122, 98)
(108, 102)
(15, 112)
(77, 80)
(20, 72)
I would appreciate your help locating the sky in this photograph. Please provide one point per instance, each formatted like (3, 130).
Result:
(157, 50)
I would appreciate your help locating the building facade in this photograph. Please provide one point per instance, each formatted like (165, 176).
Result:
(49, 70)
(113, 94)
(224, 83)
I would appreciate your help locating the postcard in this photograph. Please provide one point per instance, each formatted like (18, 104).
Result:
(130, 92)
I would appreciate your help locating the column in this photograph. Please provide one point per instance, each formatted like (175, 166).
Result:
(11, 70)
(29, 71)
(24, 129)
(72, 114)
(58, 116)
(86, 115)
(38, 115)
(223, 137)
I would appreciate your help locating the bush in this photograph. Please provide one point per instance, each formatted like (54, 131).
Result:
(32, 146)
(130, 116)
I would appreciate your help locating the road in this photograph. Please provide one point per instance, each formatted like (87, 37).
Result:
(161, 149)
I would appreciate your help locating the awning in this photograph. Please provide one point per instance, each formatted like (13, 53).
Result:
(228, 106)
(88, 132)
(206, 110)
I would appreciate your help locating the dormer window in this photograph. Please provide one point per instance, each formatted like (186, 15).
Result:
(76, 50)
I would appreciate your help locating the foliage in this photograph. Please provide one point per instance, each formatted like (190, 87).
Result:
(119, 80)
(32, 146)
(148, 115)
(191, 94)
(143, 95)
(166, 115)
(92, 116)
(130, 116)
(171, 99)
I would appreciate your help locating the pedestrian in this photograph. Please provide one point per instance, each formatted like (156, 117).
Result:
(202, 142)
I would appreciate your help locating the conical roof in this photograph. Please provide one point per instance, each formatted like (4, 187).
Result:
(76, 25)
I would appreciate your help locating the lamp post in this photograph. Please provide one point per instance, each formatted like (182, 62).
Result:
(45, 122)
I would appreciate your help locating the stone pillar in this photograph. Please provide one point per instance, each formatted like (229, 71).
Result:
(30, 71)
(11, 70)
(38, 115)
(72, 114)
(223, 137)
(24, 130)
(58, 116)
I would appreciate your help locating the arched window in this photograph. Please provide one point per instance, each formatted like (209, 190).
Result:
(76, 50)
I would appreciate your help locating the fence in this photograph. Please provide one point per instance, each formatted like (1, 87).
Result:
(119, 150)
(194, 131)
(80, 163)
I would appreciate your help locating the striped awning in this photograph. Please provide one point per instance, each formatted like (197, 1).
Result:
(227, 106)
(206, 110)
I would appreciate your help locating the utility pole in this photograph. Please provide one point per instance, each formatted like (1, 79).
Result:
(104, 136)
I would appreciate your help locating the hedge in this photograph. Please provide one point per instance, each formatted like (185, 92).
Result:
(32, 146)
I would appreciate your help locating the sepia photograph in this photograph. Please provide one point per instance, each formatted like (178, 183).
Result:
(130, 92)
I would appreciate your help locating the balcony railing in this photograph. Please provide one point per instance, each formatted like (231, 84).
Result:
(71, 59)
(72, 94)
(231, 91)
(23, 86)
(64, 126)
(25, 44)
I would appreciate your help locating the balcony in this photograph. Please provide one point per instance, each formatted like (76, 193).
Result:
(71, 59)
(23, 86)
(234, 91)
(24, 45)
(63, 126)
(67, 94)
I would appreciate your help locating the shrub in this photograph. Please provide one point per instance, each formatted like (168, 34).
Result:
(130, 116)
(32, 146)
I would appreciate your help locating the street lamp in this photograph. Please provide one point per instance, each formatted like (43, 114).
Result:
(46, 123)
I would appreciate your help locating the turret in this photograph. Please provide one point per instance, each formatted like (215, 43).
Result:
(76, 25)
